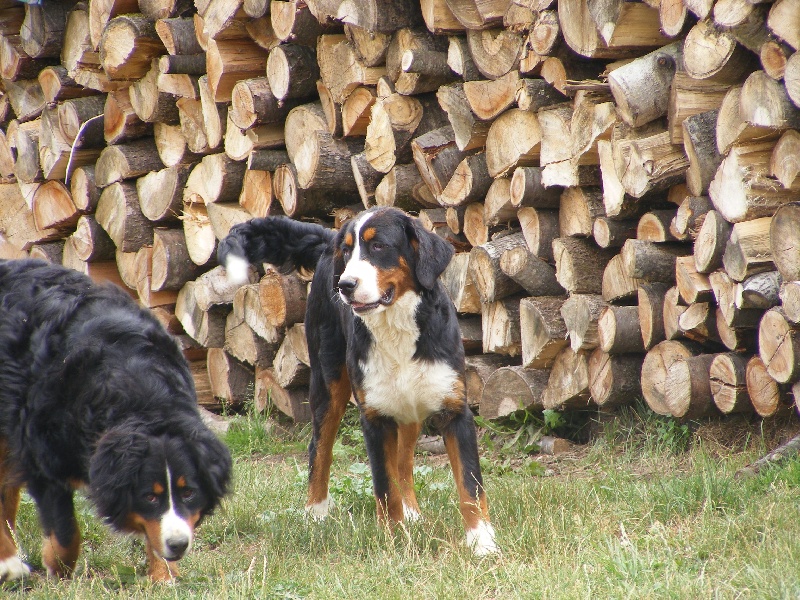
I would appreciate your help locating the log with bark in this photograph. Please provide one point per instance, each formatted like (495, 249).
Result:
(510, 389)
(657, 363)
(614, 380)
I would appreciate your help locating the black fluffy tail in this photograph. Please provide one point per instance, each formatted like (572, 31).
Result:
(276, 240)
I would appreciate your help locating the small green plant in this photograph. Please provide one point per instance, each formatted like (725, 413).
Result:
(673, 435)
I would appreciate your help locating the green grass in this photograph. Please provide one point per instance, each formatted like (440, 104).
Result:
(649, 508)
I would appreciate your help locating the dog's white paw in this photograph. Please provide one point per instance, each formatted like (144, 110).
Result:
(411, 514)
(481, 539)
(237, 269)
(319, 511)
(13, 568)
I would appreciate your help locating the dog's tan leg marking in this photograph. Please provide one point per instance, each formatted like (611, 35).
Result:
(339, 391)
(474, 509)
(407, 441)
(61, 560)
(390, 508)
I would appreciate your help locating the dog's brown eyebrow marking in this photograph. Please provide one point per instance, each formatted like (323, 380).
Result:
(158, 489)
(181, 481)
(369, 234)
(348, 239)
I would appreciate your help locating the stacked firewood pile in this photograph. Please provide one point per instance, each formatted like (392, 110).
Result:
(617, 177)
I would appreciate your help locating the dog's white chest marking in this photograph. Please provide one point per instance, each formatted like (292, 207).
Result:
(395, 383)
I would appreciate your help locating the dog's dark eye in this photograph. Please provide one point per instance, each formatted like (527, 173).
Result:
(151, 499)
(188, 494)
(377, 247)
(346, 252)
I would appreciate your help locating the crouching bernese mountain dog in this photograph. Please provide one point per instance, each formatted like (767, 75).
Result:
(380, 324)
(94, 391)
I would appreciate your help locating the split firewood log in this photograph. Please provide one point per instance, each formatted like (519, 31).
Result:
(394, 121)
(509, 389)
(729, 383)
(692, 285)
(657, 363)
(229, 61)
(650, 307)
(245, 345)
(53, 208)
(90, 242)
(641, 88)
(540, 228)
(269, 394)
(128, 45)
(500, 323)
(782, 236)
(650, 261)
(614, 379)
(119, 213)
(748, 250)
(458, 283)
(779, 346)
(543, 330)
(207, 327)
(172, 267)
(531, 272)
(618, 330)
(478, 369)
(687, 387)
(491, 282)
(568, 384)
(232, 382)
(581, 313)
(513, 140)
(120, 121)
(437, 157)
(769, 398)
(126, 161)
(580, 264)
(322, 162)
(290, 370)
(618, 286)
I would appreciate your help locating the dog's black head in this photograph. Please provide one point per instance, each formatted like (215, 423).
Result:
(159, 485)
(382, 254)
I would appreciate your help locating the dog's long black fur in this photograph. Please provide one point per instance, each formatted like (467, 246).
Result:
(94, 390)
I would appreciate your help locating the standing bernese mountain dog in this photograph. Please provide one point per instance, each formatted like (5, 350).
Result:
(380, 325)
(94, 391)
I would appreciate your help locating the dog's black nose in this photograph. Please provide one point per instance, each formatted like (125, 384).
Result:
(347, 285)
(177, 546)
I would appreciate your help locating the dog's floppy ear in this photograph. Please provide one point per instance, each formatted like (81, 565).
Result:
(338, 259)
(113, 472)
(213, 461)
(433, 253)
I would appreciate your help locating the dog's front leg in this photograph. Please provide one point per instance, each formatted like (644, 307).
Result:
(328, 404)
(11, 565)
(62, 537)
(381, 439)
(408, 434)
(461, 441)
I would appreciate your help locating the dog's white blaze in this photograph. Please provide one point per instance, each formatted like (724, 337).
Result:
(319, 510)
(237, 269)
(174, 528)
(367, 291)
(482, 539)
(13, 568)
(396, 384)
